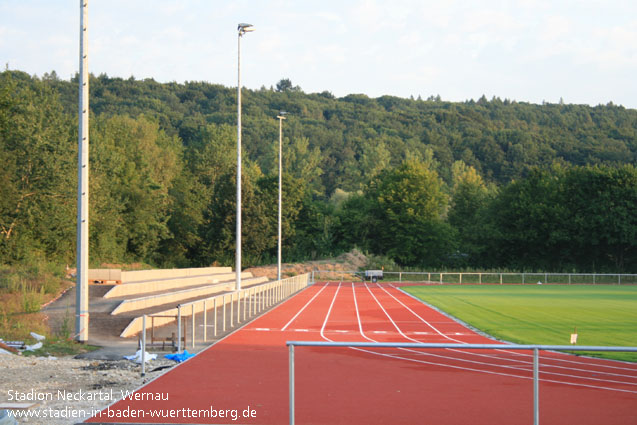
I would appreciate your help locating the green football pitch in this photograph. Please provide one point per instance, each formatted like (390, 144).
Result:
(543, 314)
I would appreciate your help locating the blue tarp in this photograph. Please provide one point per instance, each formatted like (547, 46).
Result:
(179, 357)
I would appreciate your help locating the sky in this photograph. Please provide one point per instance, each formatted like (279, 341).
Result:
(577, 51)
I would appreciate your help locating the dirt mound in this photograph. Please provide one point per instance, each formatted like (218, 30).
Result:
(350, 261)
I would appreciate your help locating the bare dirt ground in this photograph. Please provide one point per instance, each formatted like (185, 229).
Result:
(350, 261)
(69, 390)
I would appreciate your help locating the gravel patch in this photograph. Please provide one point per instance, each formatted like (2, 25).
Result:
(69, 390)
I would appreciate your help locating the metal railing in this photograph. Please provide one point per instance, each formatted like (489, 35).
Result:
(243, 305)
(479, 278)
(534, 348)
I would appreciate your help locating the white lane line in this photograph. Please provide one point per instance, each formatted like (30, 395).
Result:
(304, 307)
(358, 317)
(418, 316)
(546, 365)
(327, 316)
(492, 372)
(389, 317)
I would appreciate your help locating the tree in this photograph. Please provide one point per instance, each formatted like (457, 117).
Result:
(410, 205)
(286, 85)
(134, 164)
(469, 198)
(37, 211)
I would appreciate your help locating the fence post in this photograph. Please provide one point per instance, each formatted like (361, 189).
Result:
(179, 328)
(291, 384)
(231, 309)
(214, 320)
(245, 303)
(193, 324)
(205, 322)
(536, 387)
(144, 345)
(238, 307)
(223, 313)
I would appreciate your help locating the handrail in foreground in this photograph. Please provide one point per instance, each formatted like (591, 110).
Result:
(535, 348)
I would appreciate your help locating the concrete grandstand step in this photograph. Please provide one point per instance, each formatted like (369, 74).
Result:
(135, 326)
(133, 304)
(119, 276)
(168, 284)
(142, 275)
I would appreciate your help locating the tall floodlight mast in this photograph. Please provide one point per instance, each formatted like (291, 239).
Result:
(242, 29)
(81, 286)
(281, 117)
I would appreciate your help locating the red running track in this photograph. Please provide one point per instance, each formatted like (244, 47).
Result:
(247, 372)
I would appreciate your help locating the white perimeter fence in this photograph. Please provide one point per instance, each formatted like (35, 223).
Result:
(372, 345)
(479, 278)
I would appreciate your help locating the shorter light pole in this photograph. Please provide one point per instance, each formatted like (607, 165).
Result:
(281, 117)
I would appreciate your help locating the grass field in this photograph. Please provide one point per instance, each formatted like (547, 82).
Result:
(546, 314)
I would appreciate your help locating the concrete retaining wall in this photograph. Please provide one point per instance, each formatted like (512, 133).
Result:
(105, 275)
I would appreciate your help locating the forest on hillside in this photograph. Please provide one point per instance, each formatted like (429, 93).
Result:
(486, 183)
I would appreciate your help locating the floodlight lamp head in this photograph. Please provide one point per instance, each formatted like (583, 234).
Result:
(244, 28)
(282, 115)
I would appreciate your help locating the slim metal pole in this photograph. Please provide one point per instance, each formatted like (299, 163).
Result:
(536, 387)
(81, 300)
(291, 384)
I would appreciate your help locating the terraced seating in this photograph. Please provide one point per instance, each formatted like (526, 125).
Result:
(175, 297)
(158, 292)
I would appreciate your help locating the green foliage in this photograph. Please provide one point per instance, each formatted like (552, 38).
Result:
(409, 206)
(565, 219)
(36, 180)
(31, 300)
(425, 183)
